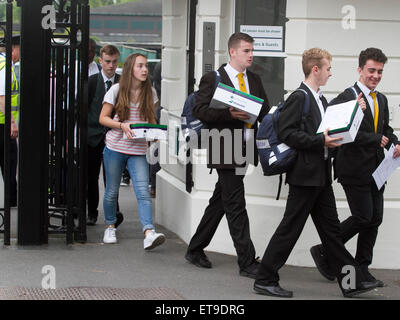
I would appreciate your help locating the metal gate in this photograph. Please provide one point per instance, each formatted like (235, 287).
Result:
(68, 119)
(52, 171)
(6, 27)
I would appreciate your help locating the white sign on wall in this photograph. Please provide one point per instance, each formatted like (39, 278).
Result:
(263, 31)
(268, 40)
(267, 45)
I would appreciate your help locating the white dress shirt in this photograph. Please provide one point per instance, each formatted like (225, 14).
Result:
(233, 76)
(93, 68)
(366, 91)
(105, 79)
(317, 96)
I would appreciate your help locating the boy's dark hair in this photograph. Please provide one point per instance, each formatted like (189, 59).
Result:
(235, 39)
(109, 49)
(371, 54)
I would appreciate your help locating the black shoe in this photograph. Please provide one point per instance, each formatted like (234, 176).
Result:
(125, 181)
(120, 219)
(199, 259)
(91, 221)
(317, 253)
(251, 270)
(361, 288)
(274, 291)
(370, 278)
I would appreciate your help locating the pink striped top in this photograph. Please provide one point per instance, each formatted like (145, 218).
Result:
(114, 137)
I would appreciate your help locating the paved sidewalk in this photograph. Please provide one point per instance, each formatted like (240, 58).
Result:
(127, 265)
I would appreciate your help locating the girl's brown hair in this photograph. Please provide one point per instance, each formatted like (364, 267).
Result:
(146, 104)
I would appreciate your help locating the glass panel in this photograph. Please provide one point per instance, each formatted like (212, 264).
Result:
(115, 24)
(270, 69)
(142, 25)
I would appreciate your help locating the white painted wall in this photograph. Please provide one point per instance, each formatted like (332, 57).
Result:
(311, 23)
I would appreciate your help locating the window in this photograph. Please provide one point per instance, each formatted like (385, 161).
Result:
(142, 25)
(115, 24)
(270, 69)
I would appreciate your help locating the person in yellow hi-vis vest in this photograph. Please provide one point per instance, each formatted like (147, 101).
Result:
(14, 117)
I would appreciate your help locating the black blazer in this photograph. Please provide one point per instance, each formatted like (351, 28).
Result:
(222, 119)
(310, 168)
(96, 92)
(355, 162)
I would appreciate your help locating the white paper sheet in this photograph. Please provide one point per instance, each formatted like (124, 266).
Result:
(386, 168)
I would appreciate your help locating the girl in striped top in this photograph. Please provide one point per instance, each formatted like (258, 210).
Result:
(133, 100)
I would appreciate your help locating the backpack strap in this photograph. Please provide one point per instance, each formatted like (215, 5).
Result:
(217, 79)
(354, 91)
(306, 107)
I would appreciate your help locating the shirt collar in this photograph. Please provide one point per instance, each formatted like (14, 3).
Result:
(105, 78)
(317, 94)
(232, 72)
(365, 89)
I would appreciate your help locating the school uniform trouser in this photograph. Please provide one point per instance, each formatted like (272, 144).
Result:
(13, 165)
(366, 206)
(95, 159)
(229, 199)
(319, 202)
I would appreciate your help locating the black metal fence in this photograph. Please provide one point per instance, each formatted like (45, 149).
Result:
(6, 28)
(68, 120)
(53, 122)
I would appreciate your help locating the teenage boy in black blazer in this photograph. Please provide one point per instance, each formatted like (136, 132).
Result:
(355, 162)
(229, 195)
(98, 85)
(310, 189)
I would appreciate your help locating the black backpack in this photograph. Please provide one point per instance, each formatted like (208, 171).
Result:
(275, 156)
(190, 125)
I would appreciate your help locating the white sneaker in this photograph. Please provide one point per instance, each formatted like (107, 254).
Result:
(153, 239)
(109, 235)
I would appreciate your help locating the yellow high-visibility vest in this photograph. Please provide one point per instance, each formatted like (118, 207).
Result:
(14, 94)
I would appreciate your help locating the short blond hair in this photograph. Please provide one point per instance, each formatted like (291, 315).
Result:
(313, 57)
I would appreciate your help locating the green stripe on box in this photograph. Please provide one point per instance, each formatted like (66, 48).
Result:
(148, 125)
(344, 129)
(233, 90)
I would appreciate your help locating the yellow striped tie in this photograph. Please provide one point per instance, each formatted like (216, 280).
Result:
(242, 86)
(376, 110)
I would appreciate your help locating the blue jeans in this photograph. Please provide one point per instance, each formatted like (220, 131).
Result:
(114, 164)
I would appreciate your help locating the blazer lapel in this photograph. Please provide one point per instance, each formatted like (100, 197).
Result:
(224, 76)
(381, 106)
(253, 84)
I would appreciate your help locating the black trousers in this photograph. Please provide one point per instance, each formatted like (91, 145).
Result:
(319, 202)
(228, 198)
(95, 159)
(13, 166)
(366, 206)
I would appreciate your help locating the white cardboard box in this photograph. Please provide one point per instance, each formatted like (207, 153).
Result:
(149, 132)
(226, 96)
(343, 120)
